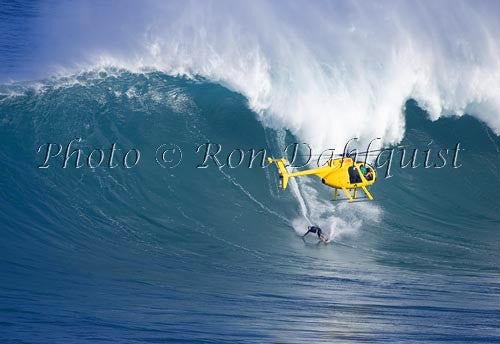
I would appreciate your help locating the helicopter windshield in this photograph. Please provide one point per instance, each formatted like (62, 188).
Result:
(369, 174)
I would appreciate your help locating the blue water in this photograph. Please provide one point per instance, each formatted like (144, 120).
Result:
(206, 255)
(188, 255)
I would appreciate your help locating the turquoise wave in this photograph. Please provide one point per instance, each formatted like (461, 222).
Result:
(152, 254)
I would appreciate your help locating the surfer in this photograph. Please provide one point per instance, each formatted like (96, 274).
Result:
(318, 231)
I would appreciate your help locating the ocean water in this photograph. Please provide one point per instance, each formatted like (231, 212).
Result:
(214, 255)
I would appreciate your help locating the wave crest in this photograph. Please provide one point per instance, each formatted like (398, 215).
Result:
(327, 71)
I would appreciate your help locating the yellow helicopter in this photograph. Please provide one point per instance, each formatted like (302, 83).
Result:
(340, 173)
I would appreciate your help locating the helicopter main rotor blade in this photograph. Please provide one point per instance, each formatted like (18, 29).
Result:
(355, 153)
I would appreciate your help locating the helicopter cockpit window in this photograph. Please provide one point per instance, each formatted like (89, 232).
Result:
(354, 176)
(369, 174)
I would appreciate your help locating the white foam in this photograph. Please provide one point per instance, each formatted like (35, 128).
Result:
(337, 219)
(326, 71)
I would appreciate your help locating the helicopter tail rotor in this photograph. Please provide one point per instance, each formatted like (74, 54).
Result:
(282, 169)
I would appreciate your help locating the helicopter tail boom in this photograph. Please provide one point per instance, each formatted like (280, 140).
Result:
(283, 172)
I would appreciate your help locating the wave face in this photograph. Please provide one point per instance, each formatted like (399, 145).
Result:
(149, 254)
(152, 254)
(304, 67)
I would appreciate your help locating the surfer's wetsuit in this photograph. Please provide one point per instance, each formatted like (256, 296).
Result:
(316, 230)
